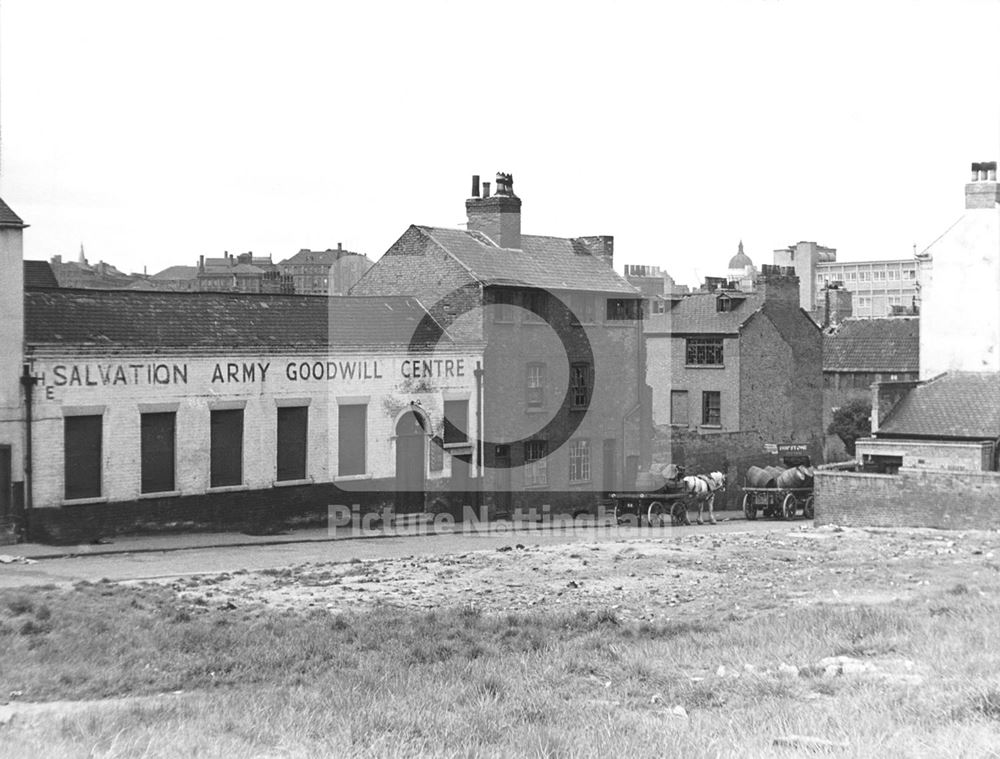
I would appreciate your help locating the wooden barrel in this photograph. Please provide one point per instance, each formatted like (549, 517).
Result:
(759, 478)
(790, 478)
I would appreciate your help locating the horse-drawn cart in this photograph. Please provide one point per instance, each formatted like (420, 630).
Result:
(655, 509)
(777, 502)
(778, 492)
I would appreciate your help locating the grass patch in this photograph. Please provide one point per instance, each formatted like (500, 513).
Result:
(460, 682)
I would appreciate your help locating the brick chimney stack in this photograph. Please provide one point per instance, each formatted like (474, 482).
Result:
(497, 216)
(982, 191)
(779, 284)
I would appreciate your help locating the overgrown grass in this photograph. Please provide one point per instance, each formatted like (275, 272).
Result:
(457, 682)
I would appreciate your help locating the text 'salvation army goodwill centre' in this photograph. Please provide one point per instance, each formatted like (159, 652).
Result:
(130, 410)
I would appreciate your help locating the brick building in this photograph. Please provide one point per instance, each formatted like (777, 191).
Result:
(860, 352)
(742, 366)
(322, 272)
(127, 411)
(564, 372)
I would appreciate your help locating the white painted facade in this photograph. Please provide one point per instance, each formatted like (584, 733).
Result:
(121, 385)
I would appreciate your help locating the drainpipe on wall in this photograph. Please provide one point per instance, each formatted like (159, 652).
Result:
(479, 420)
(28, 382)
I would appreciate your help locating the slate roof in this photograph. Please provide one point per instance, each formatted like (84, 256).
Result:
(953, 405)
(177, 272)
(165, 320)
(39, 274)
(697, 314)
(874, 345)
(553, 263)
(8, 218)
(327, 257)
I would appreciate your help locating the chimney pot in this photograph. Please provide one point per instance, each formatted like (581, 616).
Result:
(340, 246)
(975, 171)
(475, 185)
(486, 190)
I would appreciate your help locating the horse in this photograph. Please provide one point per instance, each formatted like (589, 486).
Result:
(701, 488)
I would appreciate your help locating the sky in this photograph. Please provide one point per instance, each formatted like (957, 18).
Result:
(154, 132)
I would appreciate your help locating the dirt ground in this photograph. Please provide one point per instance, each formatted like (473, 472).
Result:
(656, 579)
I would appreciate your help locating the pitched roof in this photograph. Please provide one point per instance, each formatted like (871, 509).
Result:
(8, 218)
(697, 314)
(163, 320)
(889, 344)
(953, 405)
(554, 263)
(328, 256)
(39, 274)
(177, 272)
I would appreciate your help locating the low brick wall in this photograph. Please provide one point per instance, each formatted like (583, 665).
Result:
(913, 498)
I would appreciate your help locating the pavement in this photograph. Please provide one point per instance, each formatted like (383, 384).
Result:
(201, 540)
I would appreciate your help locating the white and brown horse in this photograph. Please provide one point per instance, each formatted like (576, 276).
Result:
(701, 489)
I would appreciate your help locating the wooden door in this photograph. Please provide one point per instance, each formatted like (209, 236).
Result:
(411, 444)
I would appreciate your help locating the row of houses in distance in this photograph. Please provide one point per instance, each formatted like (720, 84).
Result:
(309, 272)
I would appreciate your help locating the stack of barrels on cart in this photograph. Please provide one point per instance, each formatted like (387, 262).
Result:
(778, 492)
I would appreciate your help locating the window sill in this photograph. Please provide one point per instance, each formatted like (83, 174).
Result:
(535, 323)
(537, 487)
(292, 483)
(704, 366)
(453, 446)
(580, 482)
(227, 489)
(536, 410)
(159, 494)
(710, 426)
(352, 477)
(84, 501)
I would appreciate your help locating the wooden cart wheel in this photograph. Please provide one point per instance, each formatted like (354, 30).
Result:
(807, 509)
(655, 515)
(678, 512)
(789, 506)
(749, 506)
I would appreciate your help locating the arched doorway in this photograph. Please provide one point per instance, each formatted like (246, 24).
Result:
(411, 441)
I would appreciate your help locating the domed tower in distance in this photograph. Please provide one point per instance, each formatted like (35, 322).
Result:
(741, 270)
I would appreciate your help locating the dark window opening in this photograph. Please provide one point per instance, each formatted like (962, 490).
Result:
(82, 446)
(504, 313)
(711, 408)
(536, 471)
(704, 351)
(293, 437)
(624, 309)
(227, 448)
(536, 304)
(351, 439)
(157, 451)
(579, 379)
(456, 421)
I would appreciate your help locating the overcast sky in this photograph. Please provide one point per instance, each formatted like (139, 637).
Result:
(154, 131)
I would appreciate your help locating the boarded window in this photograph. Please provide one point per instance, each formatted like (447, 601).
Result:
(456, 421)
(351, 439)
(227, 448)
(293, 436)
(679, 407)
(711, 407)
(157, 449)
(82, 446)
(583, 307)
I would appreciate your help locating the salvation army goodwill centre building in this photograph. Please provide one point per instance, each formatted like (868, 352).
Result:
(136, 410)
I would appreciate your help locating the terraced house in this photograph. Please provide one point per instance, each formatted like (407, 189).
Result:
(564, 394)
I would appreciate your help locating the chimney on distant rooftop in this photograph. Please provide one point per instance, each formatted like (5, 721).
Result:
(982, 191)
(498, 217)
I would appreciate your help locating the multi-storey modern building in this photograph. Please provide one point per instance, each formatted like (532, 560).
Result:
(880, 287)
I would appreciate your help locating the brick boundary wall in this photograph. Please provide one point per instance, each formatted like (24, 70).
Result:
(941, 499)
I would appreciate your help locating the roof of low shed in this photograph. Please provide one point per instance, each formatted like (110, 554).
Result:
(151, 319)
(889, 344)
(953, 405)
(553, 263)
